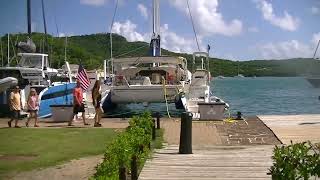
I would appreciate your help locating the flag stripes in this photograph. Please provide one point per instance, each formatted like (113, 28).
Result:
(83, 78)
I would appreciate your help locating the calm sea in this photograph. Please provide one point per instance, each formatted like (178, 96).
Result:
(251, 96)
(268, 95)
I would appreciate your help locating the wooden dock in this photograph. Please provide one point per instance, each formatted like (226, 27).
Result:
(216, 162)
(297, 128)
(215, 158)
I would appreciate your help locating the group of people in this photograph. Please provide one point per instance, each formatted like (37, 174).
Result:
(15, 105)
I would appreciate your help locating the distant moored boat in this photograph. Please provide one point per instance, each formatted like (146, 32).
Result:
(314, 81)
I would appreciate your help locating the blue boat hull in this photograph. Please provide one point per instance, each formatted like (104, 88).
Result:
(55, 95)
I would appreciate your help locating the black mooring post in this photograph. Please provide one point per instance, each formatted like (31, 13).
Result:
(134, 168)
(185, 146)
(122, 173)
(153, 130)
(158, 120)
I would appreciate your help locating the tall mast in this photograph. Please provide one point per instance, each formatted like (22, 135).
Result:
(29, 16)
(45, 45)
(44, 18)
(8, 49)
(315, 52)
(65, 48)
(1, 53)
(111, 26)
(155, 39)
(156, 18)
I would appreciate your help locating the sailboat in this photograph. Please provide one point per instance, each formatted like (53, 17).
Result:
(159, 79)
(239, 75)
(314, 80)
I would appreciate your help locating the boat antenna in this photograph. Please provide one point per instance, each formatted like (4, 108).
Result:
(29, 17)
(1, 53)
(315, 52)
(57, 29)
(8, 47)
(194, 30)
(111, 26)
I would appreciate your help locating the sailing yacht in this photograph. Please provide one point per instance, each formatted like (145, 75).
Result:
(159, 79)
(314, 80)
(239, 75)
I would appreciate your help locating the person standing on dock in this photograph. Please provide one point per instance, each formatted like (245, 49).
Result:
(33, 107)
(15, 106)
(96, 100)
(78, 105)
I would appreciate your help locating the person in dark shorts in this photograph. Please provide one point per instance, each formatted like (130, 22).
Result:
(15, 106)
(96, 100)
(78, 105)
(33, 107)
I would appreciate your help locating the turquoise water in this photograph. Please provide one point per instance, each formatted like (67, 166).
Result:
(251, 96)
(268, 95)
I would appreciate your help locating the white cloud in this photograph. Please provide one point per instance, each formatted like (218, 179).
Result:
(61, 34)
(128, 30)
(315, 10)
(173, 42)
(207, 19)
(288, 49)
(286, 22)
(93, 2)
(169, 40)
(143, 10)
(253, 29)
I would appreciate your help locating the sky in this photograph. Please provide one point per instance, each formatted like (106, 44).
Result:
(234, 29)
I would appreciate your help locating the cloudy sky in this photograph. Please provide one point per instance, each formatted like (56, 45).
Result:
(238, 30)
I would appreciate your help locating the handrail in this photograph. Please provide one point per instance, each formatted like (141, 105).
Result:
(123, 77)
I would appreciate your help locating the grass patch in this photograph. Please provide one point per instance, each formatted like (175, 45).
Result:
(27, 149)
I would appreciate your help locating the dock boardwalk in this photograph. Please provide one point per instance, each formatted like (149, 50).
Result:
(221, 150)
(297, 128)
(215, 162)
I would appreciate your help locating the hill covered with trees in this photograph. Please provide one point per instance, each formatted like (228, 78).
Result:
(92, 49)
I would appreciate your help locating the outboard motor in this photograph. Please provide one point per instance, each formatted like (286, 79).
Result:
(27, 47)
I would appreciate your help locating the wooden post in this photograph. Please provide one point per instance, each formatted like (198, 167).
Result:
(154, 130)
(122, 173)
(185, 146)
(134, 168)
(158, 120)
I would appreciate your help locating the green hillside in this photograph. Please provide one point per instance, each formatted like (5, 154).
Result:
(92, 49)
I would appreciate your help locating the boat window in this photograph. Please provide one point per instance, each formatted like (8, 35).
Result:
(31, 61)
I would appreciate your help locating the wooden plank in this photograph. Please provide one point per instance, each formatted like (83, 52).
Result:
(219, 162)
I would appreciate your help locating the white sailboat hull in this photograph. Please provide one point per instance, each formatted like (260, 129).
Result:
(140, 94)
(7, 82)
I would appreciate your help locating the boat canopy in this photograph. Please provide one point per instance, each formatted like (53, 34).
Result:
(32, 54)
(145, 60)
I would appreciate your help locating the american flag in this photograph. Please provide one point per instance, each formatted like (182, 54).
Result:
(83, 78)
